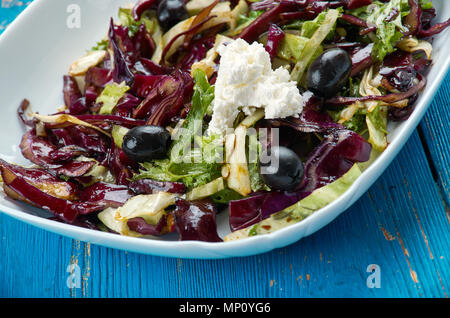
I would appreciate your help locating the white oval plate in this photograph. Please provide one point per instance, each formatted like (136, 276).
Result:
(36, 51)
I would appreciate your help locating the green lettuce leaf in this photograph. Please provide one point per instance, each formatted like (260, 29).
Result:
(387, 34)
(201, 101)
(192, 175)
(358, 122)
(225, 196)
(101, 45)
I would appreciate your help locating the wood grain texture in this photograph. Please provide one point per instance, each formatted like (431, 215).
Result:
(434, 130)
(401, 224)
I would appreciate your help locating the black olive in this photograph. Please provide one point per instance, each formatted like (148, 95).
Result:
(170, 12)
(329, 72)
(284, 171)
(145, 143)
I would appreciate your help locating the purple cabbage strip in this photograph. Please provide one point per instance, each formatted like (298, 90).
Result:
(119, 165)
(427, 17)
(274, 38)
(389, 98)
(143, 84)
(126, 105)
(100, 120)
(435, 29)
(310, 11)
(196, 220)
(245, 212)
(197, 51)
(398, 71)
(354, 20)
(263, 22)
(193, 30)
(355, 4)
(71, 92)
(149, 186)
(270, 4)
(98, 77)
(259, 206)
(109, 195)
(392, 15)
(412, 20)
(121, 69)
(20, 187)
(144, 46)
(79, 107)
(361, 59)
(21, 112)
(402, 114)
(333, 158)
(140, 226)
(311, 120)
(93, 143)
(147, 67)
(166, 99)
(60, 160)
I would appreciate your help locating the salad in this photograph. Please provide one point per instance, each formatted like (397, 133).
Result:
(267, 109)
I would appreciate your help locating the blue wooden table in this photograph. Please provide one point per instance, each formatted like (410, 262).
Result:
(402, 225)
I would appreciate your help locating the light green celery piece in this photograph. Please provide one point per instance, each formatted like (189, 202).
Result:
(302, 209)
(206, 190)
(291, 47)
(110, 96)
(118, 132)
(376, 124)
(254, 148)
(309, 27)
(313, 44)
(426, 4)
(236, 155)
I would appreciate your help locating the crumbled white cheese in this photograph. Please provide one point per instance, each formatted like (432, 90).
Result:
(246, 81)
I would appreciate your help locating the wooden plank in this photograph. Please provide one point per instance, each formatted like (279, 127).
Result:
(400, 224)
(435, 132)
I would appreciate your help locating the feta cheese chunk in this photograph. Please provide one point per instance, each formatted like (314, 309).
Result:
(246, 81)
